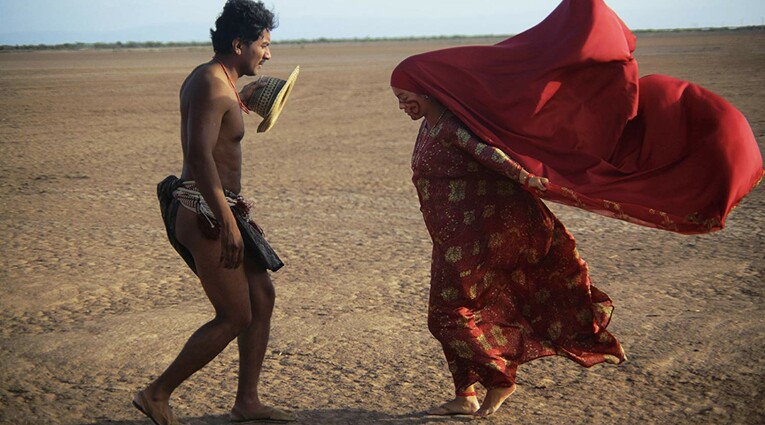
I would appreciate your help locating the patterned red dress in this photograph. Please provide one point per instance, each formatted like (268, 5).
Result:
(507, 283)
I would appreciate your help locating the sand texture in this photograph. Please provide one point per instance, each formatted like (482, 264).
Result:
(95, 302)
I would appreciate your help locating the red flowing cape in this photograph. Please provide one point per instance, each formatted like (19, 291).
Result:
(564, 100)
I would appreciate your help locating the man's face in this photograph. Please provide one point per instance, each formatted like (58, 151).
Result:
(257, 53)
(413, 104)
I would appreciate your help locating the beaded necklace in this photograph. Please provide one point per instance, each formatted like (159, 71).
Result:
(231, 83)
(420, 147)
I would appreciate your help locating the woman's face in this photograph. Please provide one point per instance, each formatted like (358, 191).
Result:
(413, 104)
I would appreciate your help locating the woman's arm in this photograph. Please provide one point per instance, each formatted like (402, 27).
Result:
(496, 160)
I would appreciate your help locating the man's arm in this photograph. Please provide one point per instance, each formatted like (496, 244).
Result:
(207, 106)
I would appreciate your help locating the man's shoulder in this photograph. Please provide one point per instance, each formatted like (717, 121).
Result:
(203, 80)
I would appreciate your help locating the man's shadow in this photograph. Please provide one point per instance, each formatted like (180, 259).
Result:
(314, 417)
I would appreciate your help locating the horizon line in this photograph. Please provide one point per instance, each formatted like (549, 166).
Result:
(159, 44)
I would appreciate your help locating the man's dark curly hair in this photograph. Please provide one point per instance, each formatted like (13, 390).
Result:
(245, 19)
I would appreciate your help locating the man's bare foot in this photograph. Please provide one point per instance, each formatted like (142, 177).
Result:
(459, 406)
(261, 413)
(158, 411)
(494, 398)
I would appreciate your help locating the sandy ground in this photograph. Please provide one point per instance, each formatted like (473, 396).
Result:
(95, 302)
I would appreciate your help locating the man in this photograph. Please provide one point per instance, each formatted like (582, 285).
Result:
(209, 224)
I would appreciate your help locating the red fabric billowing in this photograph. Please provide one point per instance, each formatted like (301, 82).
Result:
(564, 100)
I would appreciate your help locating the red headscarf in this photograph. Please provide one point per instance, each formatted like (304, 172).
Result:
(562, 99)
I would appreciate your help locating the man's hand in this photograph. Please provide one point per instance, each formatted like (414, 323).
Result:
(250, 89)
(231, 246)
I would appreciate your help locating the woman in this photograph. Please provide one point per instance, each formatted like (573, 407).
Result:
(507, 284)
(559, 100)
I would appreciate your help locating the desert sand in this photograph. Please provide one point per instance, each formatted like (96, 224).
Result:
(95, 302)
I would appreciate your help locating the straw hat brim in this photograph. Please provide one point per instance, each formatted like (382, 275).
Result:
(277, 104)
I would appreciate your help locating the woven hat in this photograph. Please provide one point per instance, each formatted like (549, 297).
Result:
(268, 101)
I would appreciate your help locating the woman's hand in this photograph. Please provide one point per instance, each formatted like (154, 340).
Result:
(537, 182)
(530, 181)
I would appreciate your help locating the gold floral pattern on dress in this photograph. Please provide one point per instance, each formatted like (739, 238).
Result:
(481, 188)
(499, 157)
(604, 337)
(584, 316)
(484, 342)
(453, 254)
(573, 281)
(571, 194)
(548, 346)
(463, 136)
(469, 217)
(554, 330)
(449, 294)
(423, 186)
(542, 296)
(666, 222)
(532, 256)
(457, 190)
(488, 279)
(496, 332)
(603, 310)
(465, 273)
(519, 277)
(489, 211)
(461, 348)
(476, 248)
(708, 223)
(496, 240)
(616, 208)
(464, 322)
(479, 148)
(473, 292)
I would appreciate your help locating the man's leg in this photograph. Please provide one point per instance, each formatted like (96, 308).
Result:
(252, 348)
(228, 291)
(254, 339)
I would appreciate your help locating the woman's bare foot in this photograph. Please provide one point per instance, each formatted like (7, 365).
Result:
(494, 398)
(459, 406)
(158, 411)
(262, 413)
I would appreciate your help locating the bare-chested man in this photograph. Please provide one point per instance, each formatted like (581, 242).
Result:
(209, 224)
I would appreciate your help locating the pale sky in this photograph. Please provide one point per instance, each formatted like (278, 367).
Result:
(89, 21)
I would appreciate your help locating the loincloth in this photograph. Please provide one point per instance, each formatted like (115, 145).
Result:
(173, 193)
